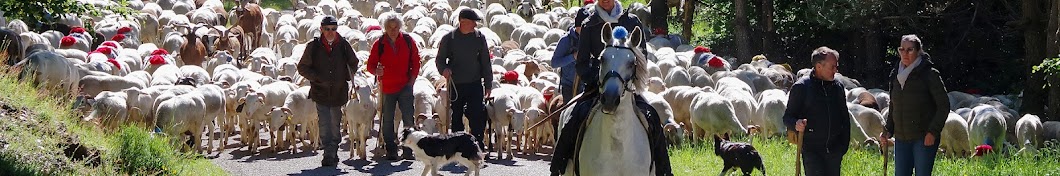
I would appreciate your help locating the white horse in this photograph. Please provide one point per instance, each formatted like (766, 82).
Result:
(615, 135)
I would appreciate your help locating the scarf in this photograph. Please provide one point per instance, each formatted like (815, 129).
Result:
(610, 17)
(903, 71)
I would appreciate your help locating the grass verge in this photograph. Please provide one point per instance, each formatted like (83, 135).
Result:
(41, 135)
(779, 157)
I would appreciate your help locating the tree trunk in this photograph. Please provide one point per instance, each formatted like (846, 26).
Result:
(1034, 50)
(769, 45)
(874, 56)
(1052, 48)
(686, 14)
(742, 33)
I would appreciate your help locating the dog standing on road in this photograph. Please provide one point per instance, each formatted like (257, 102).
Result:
(438, 150)
(737, 154)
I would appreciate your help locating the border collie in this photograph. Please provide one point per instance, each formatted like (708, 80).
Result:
(437, 150)
(737, 154)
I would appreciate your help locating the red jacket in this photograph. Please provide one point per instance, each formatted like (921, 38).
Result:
(395, 60)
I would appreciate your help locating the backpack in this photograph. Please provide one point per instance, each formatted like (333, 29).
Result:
(408, 42)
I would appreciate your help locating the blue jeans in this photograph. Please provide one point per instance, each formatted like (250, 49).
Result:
(913, 155)
(328, 119)
(403, 100)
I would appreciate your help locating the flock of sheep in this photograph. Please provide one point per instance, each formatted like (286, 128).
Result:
(175, 66)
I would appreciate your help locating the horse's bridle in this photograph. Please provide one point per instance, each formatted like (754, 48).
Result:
(613, 73)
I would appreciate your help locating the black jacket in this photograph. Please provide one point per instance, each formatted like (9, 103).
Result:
(921, 106)
(328, 72)
(823, 104)
(590, 44)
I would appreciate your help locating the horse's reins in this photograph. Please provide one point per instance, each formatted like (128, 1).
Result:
(579, 96)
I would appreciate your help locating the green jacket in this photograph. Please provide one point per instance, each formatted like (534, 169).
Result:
(919, 107)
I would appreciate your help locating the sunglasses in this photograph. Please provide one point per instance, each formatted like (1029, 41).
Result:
(905, 49)
(329, 29)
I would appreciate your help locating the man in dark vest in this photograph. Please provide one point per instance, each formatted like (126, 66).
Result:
(328, 62)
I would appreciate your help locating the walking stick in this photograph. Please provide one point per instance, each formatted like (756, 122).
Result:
(883, 149)
(798, 154)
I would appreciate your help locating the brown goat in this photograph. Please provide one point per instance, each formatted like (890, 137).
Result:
(192, 52)
(250, 18)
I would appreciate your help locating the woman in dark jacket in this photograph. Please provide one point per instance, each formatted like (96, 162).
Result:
(919, 107)
(817, 105)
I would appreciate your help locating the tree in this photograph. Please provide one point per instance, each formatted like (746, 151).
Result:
(742, 31)
(1034, 52)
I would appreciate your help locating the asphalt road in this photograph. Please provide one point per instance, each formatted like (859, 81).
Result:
(237, 160)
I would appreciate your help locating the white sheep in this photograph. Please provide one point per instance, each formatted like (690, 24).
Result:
(954, 138)
(987, 126)
(771, 106)
(257, 103)
(504, 111)
(92, 85)
(185, 114)
(871, 120)
(110, 109)
(359, 113)
(741, 96)
(297, 109)
(1029, 133)
(713, 114)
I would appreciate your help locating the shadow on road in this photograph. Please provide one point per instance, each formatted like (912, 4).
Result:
(322, 171)
(380, 167)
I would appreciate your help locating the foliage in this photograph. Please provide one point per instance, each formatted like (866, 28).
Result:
(142, 153)
(53, 10)
(1049, 67)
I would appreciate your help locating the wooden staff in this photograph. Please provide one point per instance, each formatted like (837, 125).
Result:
(798, 153)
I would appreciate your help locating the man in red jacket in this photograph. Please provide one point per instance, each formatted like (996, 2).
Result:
(395, 60)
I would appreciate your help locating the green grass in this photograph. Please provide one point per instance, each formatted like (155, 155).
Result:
(33, 144)
(779, 158)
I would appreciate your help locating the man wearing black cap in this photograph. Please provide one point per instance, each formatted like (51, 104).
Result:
(464, 58)
(328, 63)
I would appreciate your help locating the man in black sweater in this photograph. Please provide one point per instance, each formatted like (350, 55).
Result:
(464, 58)
(817, 105)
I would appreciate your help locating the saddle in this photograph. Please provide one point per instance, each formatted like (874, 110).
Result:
(568, 145)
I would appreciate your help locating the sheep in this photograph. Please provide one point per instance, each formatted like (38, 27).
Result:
(741, 97)
(504, 111)
(1029, 133)
(674, 131)
(1051, 131)
(185, 114)
(859, 138)
(699, 77)
(49, 69)
(215, 101)
(165, 75)
(92, 85)
(257, 103)
(954, 137)
(870, 119)
(359, 112)
(531, 102)
(109, 109)
(713, 114)
(771, 106)
(303, 110)
(656, 85)
(987, 126)
(680, 99)
(196, 73)
(678, 77)
(139, 103)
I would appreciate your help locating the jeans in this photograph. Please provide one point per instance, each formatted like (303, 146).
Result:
(910, 156)
(403, 100)
(821, 163)
(467, 100)
(328, 119)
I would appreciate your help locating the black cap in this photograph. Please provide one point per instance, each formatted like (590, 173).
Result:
(329, 20)
(580, 17)
(469, 14)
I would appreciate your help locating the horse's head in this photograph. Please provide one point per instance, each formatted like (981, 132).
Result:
(622, 65)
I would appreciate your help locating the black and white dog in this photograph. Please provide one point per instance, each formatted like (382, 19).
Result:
(737, 154)
(437, 150)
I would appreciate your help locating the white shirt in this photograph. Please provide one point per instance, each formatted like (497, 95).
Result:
(903, 71)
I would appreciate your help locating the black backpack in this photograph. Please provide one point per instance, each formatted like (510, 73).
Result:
(408, 42)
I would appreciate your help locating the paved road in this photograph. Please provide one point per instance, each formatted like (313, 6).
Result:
(239, 161)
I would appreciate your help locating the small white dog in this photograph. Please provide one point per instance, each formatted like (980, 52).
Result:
(437, 150)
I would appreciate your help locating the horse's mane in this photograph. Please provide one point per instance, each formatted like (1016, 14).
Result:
(640, 72)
